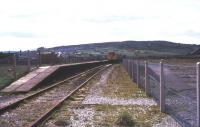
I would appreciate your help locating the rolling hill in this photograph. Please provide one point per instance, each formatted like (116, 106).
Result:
(129, 48)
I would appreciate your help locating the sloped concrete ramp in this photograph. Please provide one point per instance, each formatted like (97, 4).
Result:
(30, 80)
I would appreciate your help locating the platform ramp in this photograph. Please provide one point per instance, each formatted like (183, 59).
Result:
(30, 80)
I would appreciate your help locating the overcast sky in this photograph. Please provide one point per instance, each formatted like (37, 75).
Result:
(28, 24)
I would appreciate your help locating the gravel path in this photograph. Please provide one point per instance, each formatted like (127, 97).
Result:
(82, 117)
(96, 96)
(93, 99)
(167, 122)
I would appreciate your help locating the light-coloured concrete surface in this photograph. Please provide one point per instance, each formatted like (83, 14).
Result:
(29, 78)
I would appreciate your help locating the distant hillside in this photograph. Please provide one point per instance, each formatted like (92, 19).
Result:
(129, 48)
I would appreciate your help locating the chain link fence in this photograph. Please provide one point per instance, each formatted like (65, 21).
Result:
(154, 81)
(180, 90)
(179, 94)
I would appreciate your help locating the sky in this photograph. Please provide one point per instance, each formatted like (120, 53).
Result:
(28, 24)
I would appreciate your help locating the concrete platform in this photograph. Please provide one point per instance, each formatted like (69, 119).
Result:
(29, 81)
(35, 77)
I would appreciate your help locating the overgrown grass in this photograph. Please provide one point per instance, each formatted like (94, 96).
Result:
(120, 85)
(126, 116)
(125, 119)
(6, 77)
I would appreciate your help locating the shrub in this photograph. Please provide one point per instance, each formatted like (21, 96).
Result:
(125, 119)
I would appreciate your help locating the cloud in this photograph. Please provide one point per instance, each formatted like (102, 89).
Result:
(23, 16)
(78, 21)
(195, 34)
(17, 34)
(111, 19)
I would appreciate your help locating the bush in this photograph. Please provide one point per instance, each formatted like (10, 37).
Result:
(125, 119)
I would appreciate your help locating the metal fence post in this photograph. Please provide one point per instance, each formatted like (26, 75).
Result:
(146, 78)
(14, 67)
(162, 88)
(198, 93)
(138, 73)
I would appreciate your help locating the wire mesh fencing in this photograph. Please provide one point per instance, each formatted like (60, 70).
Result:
(173, 86)
(141, 74)
(134, 70)
(154, 80)
(180, 91)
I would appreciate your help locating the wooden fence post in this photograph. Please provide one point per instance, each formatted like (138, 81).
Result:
(132, 66)
(198, 93)
(65, 58)
(39, 58)
(162, 88)
(14, 67)
(127, 65)
(124, 63)
(138, 72)
(130, 61)
(29, 62)
(146, 78)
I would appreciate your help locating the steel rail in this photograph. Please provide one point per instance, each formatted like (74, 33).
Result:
(46, 115)
(12, 105)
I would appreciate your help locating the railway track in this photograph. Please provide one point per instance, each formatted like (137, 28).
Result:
(35, 93)
(32, 110)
